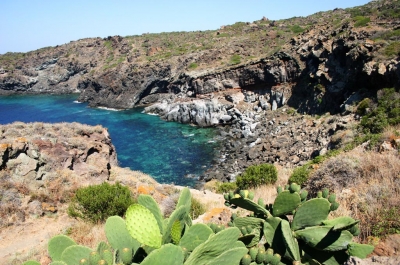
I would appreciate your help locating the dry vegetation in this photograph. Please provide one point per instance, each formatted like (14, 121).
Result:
(368, 187)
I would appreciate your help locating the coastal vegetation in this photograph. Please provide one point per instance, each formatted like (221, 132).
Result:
(310, 237)
(96, 203)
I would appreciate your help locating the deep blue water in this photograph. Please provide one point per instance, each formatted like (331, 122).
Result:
(167, 151)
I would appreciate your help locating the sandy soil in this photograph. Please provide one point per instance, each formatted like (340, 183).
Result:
(29, 239)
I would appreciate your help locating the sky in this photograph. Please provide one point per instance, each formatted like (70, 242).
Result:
(27, 25)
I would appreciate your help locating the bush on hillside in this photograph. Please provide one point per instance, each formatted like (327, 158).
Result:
(257, 175)
(97, 202)
(361, 21)
(300, 175)
(226, 187)
(386, 113)
(196, 208)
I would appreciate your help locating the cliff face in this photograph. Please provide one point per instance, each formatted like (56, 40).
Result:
(37, 153)
(333, 58)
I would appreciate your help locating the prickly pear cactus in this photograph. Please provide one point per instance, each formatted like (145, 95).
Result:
(176, 232)
(57, 245)
(218, 245)
(167, 254)
(322, 240)
(148, 202)
(243, 201)
(72, 255)
(143, 226)
(118, 235)
(286, 202)
(310, 213)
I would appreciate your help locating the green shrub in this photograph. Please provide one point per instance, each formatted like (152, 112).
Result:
(361, 21)
(235, 59)
(387, 222)
(363, 106)
(257, 175)
(300, 175)
(193, 66)
(296, 29)
(196, 208)
(393, 49)
(97, 202)
(226, 187)
(386, 113)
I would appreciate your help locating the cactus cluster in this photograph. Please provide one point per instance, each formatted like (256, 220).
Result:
(145, 237)
(267, 236)
(309, 237)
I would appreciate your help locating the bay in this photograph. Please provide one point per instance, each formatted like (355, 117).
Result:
(170, 152)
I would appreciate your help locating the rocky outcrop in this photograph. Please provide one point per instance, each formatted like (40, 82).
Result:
(277, 137)
(37, 153)
(338, 64)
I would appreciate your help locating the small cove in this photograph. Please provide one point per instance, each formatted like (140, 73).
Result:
(168, 151)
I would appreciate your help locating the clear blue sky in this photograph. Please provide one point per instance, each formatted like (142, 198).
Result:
(27, 25)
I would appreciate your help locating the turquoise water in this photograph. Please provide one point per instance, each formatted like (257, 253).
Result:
(168, 151)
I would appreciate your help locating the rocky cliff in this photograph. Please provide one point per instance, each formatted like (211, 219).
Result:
(325, 59)
(35, 153)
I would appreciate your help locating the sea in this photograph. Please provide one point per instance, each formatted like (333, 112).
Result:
(170, 152)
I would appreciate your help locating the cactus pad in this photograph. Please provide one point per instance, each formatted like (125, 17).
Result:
(341, 223)
(249, 205)
(57, 245)
(231, 256)
(185, 199)
(215, 246)
(324, 238)
(248, 221)
(148, 202)
(359, 250)
(285, 203)
(176, 232)
(179, 215)
(143, 226)
(311, 213)
(270, 228)
(118, 235)
(167, 254)
(196, 235)
(73, 254)
(292, 247)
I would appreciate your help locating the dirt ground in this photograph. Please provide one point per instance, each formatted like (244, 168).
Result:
(30, 238)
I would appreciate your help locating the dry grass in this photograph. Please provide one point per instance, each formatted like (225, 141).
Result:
(268, 192)
(39, 254)
(61, 132)
(368, 189)
(391, 134)
(87, 234)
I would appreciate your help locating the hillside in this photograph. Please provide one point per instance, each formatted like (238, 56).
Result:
(329, 55)
(317, 95)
